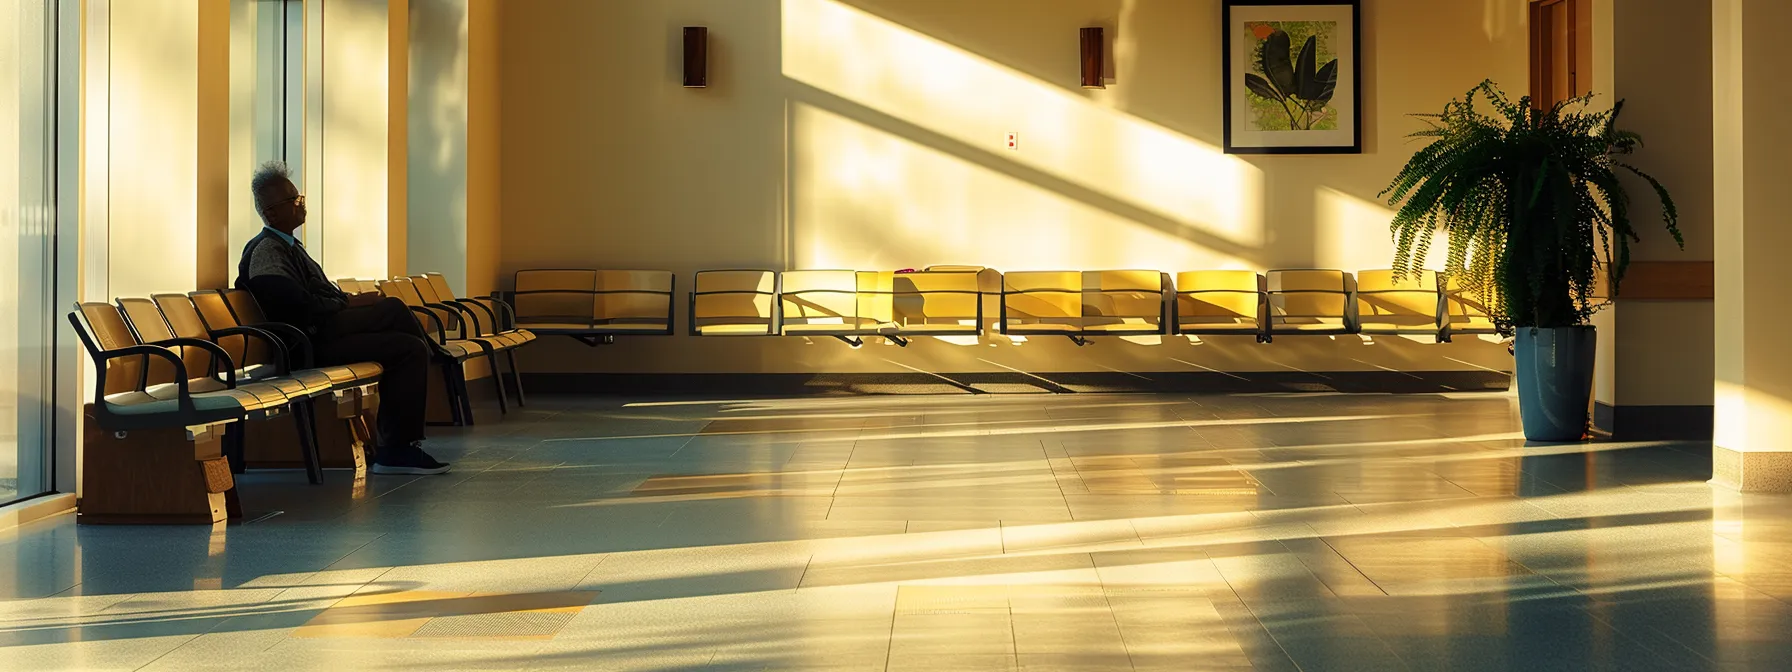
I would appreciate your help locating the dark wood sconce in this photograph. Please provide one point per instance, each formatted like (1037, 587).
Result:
(1092, 59)
(696, 57)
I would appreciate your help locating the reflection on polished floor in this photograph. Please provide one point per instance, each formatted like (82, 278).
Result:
(1075, 532)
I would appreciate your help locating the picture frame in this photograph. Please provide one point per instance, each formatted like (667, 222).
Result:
(1291, 101)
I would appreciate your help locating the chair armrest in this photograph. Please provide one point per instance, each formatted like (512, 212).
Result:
(441, 333)
(216, 350)
(283, 357)
(294, 338)
(185, 398)
(462, 315)
(508, 312)
(468, 305)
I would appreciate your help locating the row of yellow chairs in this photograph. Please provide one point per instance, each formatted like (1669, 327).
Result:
(597, 305)
(192, 369)
(463, 329)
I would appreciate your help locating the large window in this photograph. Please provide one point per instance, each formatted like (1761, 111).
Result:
(27, 237)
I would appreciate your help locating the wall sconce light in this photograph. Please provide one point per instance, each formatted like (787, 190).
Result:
(1092, 59)
(696, 57)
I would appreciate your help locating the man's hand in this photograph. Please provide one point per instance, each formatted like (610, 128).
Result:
(364, 299)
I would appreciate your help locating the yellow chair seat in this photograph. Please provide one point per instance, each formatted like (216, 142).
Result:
(1309, 326)
(632, 326)
(458, 349)
(825, 328)
(1462, 324)
(1188, 325)
(1043, 328)
(734, 330)
(941, 329)
(1140, 327)
(249, 398)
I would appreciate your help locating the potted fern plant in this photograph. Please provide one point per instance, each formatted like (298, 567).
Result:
(1533, 209)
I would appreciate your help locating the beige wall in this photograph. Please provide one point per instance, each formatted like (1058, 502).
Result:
(868, 133)
(152, 140)
(454, 165)
(438, 137)
(485, 120)
(348, 195)
(1664, 353)
(1754, 368)
(398, 207)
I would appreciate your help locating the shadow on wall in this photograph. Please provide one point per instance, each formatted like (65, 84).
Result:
(1169, 80)
(924, 161)
(438, 139)
(869, 134)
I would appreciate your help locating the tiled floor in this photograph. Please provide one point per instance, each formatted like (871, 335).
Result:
(1082, 532)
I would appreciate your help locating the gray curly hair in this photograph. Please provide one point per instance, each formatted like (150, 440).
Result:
(269, 174)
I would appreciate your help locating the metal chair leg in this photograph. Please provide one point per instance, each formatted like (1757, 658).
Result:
(456, 415)
(303, 413)
(491, 357)
(462, 394)
(516, 375)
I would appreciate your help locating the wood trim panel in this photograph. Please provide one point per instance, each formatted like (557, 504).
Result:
(1669, 281)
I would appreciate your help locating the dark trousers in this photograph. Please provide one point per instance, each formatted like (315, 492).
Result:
(386, 333)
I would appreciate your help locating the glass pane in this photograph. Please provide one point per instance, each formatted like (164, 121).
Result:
(26, 223)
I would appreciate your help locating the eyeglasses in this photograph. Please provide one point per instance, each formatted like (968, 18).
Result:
(298, 200)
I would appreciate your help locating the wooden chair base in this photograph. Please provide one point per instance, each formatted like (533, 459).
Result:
(341, 436)
(151, 477)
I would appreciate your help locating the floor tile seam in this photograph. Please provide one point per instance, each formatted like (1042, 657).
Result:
(1752, 587)
(890, 641)
(1359, 571)
(1660, 635)
(1109, 604)
(687, 441)
(164, 654)
(584, 578)
(1257, 619)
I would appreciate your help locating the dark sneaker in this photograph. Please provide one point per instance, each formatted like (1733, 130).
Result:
(409, 461)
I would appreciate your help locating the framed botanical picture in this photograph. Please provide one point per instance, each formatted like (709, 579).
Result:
(1293, 76)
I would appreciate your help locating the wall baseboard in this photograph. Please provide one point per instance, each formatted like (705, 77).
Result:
(35, 508)
(1197, 382)
(1654, 423)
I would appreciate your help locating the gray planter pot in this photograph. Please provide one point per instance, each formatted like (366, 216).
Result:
(1555, 380)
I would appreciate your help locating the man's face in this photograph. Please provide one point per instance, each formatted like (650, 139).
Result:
(284, 206)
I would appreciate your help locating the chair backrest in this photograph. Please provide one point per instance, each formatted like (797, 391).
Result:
(403, 290)
(183, 318)
(431, 292)
(876, 301)
(1123, 296)
(437, 283)
(819, 297)
(146, 322)
(638, 297)
(1311, 297)
(244, 306)
(734, 297)
(1382, 299)
(215, 312)
(103, 327)
(1055, 296)
(555, 296)
(1219, 298)
(936, 296)
(1468, 310)
(407, 291)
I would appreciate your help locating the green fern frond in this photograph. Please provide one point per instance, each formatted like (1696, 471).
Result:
(1528, 200)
